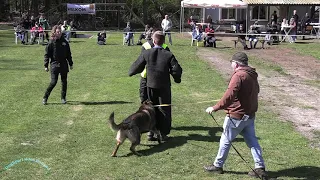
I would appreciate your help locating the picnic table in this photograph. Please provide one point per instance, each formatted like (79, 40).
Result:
(286, 29)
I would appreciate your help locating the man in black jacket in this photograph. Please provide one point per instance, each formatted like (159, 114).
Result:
(58, 51)
(159, 64)
(143, 81)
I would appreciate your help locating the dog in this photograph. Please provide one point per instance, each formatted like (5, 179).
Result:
(142, 121)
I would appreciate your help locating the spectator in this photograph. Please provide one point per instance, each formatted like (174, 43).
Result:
(192, 23)
(209, 39)
(66, 30)
(128, 34)
(304, 23)
(253, 37)
(166, 25)
(36, 31)
(143, 35)
(26, 26)
(20, 32)
(240, 101)
(209, 19)
(32, 22)
(293, 31)
(283, 23)
(102, 38)
(45, 25)
(295, 16)
(274, 17)
(296, 20)
(197, 34)
(73, 29)
(242, 38)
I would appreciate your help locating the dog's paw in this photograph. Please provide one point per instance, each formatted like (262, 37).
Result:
(113, 155)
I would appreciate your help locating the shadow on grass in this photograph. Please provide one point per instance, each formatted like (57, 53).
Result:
(224, 47)
(211, 131)
(301, 172)
(177, 141)
(71, 42)
(299, 42)
(97, 103)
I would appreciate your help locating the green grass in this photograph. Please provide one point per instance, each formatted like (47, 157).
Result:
(308, 48)
(75, 142)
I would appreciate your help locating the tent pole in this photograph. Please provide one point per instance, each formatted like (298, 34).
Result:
(247, 19)
(204, 14)
(180, 18)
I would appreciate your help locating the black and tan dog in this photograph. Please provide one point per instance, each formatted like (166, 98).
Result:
(144, 120)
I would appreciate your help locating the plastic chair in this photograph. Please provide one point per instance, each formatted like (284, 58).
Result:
(40, 38)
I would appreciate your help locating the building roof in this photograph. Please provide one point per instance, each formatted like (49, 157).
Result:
(291, 2)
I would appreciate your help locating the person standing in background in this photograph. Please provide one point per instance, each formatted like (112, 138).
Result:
(45, 25)
(166, 25)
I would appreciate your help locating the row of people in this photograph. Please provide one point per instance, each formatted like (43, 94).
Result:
(35, 32)
(208, 37)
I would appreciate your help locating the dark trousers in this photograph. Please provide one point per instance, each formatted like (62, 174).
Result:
(47, 35)
(54, 79)
(142, 36)
(163, 114)
(143, 89)
(210, 42)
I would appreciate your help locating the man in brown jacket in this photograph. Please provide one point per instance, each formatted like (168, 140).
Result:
(240, 101)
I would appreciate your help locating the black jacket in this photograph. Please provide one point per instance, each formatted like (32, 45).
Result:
(160, 64)
(102, 37)
(58, 51)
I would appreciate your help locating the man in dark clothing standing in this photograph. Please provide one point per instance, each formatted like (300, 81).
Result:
(240, 101)
(159, 64)
(58, 51)
(274, 17)
(296, 20)
(304, 22)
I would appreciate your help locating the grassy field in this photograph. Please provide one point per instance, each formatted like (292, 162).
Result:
(73, 141)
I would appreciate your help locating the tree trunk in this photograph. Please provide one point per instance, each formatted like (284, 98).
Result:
(145, 11)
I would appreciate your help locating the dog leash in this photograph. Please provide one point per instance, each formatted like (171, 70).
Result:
(162, 105)
(247, 164)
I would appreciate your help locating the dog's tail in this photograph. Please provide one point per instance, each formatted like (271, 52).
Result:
(113, 125)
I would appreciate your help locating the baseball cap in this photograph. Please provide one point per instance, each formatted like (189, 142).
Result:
(240, 57)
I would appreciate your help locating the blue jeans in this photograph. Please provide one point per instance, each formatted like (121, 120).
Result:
(197, 37)
(233, 127)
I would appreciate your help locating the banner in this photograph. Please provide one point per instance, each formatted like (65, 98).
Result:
(81, 9)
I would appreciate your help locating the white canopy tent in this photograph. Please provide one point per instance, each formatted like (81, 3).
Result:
(237, 4)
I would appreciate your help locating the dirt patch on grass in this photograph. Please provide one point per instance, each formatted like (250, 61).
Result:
(288, 94)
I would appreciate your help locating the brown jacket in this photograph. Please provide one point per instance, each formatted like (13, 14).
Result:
(241, 96)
